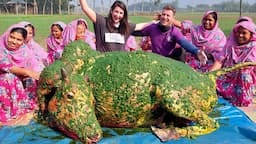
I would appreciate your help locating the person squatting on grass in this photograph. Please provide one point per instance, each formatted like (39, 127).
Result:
(239, 87)
(164, 37)
(78, 30)
(19, 73)
(54, 42)
(207, 36)
(38, 50)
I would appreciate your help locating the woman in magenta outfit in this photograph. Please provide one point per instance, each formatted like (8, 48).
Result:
(239, 87)
(39, 52)
(78, 30)
(207, 36)
(17, 66)
(55, 42)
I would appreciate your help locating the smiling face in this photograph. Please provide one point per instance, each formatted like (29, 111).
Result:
(209, 22)
(56, 32)
(166, 18)
(15, 40)
(243, 36)
(117, 14)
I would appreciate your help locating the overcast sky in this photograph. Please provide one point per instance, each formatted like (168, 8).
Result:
(182, 3)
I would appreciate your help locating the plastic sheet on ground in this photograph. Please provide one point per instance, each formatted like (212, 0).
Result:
(236, 128)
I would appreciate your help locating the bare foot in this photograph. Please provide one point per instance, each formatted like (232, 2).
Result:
(250, 111)
(21, 120)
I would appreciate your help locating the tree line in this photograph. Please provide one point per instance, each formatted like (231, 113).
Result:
(37, 6)
(226, 6)
(142, 6)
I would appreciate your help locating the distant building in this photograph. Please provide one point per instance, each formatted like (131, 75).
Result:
(17, 7)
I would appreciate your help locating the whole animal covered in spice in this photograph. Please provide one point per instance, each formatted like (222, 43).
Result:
(86, 89)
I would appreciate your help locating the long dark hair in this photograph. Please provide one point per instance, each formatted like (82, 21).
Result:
(123, 28)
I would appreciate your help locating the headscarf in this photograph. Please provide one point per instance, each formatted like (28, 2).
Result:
(69, 34)
(241, 53)
(240, 19)
(244, 18)
(54, 46)
(39, 51)
(213, 40)
(22, 57)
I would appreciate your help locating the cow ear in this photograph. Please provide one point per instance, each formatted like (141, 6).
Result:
(64, 74)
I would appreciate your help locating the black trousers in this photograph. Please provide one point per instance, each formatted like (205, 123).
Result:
(178, 54)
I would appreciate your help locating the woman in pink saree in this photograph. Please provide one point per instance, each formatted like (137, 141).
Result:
(55, 42)
(18, 75)
(239, 87)
(39, 51)
(78, 30)
(207, 36)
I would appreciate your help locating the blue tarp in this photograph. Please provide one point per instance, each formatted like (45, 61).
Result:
(236, 128)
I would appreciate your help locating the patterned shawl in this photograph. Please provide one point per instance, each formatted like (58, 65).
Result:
(235, 53)
(54, 44)
(38, 50)
(22, 57)
(212, 40)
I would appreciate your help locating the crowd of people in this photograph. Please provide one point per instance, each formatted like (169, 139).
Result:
(204, 47)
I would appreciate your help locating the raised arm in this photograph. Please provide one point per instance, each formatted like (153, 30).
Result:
(140, 26)
(88, 11)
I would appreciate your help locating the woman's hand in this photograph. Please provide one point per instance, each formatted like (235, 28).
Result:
(216, 65)
(33, 74)
(24, 72)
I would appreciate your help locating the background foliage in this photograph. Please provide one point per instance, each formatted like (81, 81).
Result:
(134, 6)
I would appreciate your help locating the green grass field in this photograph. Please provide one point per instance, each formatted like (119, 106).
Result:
(43, 22)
